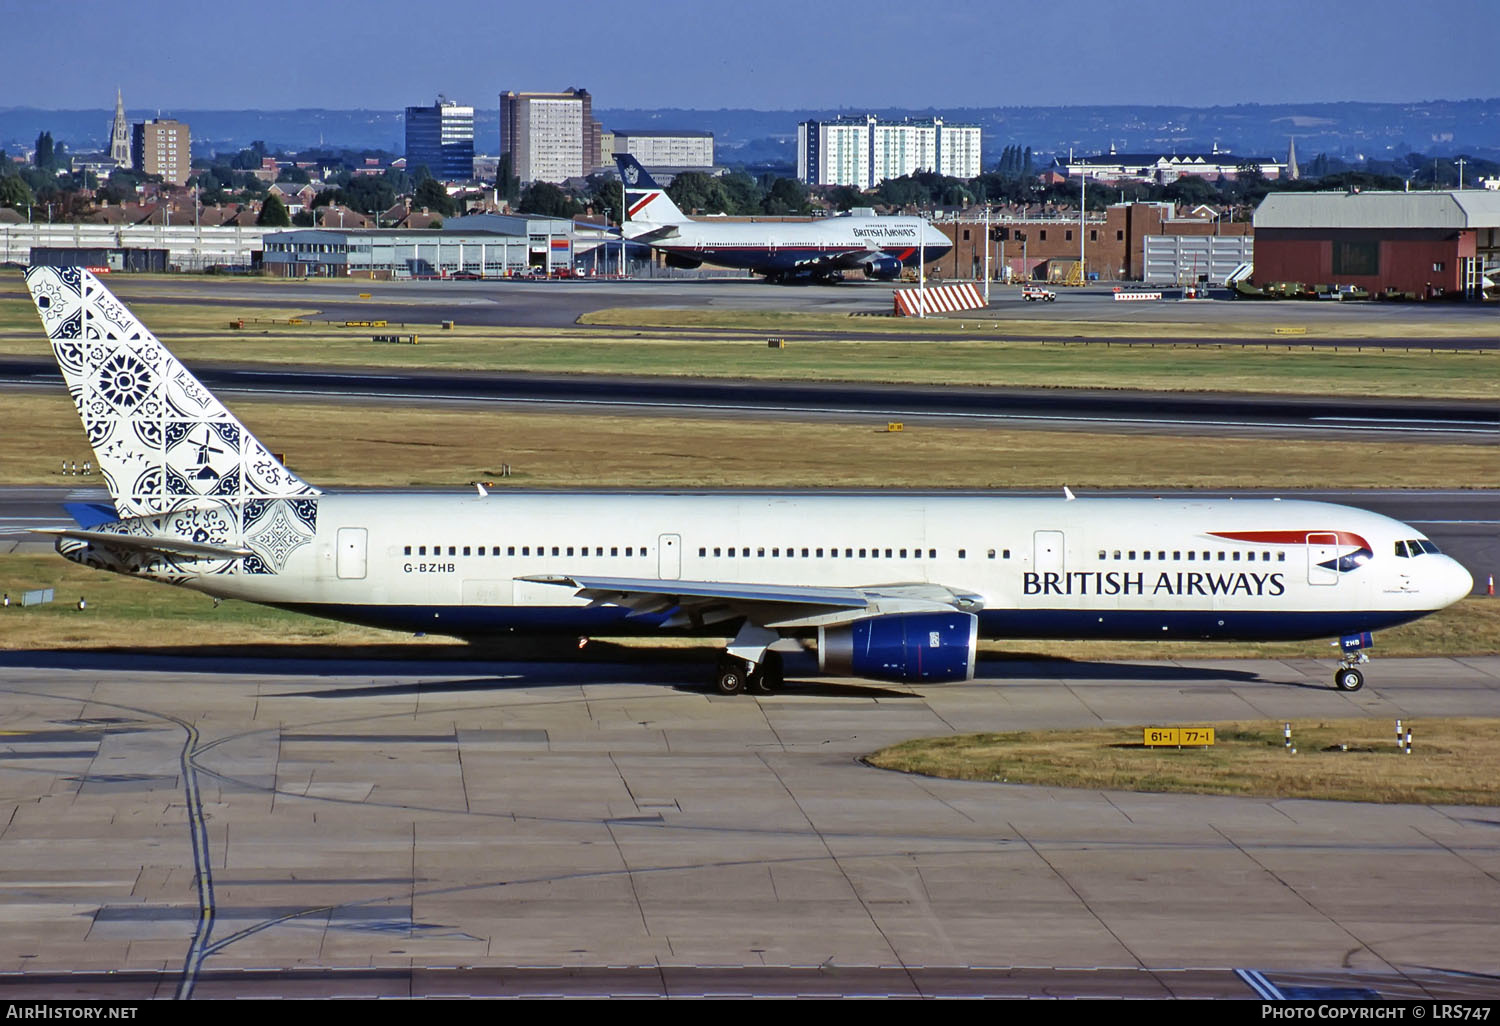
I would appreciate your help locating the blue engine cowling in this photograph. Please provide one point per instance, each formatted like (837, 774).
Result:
(883, 268)
(932, 648)
(682, 262)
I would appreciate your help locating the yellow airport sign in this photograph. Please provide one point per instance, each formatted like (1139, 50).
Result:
(1178, 737)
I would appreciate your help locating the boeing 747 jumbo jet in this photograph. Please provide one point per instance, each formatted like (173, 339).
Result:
(881, 247)
(893, 587)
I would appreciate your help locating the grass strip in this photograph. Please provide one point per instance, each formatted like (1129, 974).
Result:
(1453, 761)
(198, 333)
(335, 443)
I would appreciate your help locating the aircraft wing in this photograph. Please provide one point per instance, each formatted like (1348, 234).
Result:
(177, 547)
(769, 605)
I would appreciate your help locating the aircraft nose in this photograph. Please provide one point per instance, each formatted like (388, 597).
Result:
(1454, 582)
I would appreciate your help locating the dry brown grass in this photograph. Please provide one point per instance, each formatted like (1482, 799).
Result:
(1453, 761)
(398, 446)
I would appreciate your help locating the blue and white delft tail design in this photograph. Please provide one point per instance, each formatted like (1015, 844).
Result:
(177, 463)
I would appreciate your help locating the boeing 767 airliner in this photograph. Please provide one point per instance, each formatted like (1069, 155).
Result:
(893, 587)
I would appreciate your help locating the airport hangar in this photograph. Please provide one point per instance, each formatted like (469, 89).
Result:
(487, 245)
(1426, 244)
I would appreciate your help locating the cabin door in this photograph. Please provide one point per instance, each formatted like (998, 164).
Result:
(669, 557)
(352, 553)
(1047, 552)
(1322, 548)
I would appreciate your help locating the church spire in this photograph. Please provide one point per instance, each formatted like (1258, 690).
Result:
(1292, 171)
(119, 133)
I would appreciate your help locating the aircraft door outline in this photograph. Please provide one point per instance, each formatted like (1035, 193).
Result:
(1322, 548)
(352, 553)
(669, 557)
(1047, 551)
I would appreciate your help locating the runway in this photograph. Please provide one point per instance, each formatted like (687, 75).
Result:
(1080, 409)
(183, 827)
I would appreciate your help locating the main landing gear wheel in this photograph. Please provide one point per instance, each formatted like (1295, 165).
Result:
(768, 677)
(732, 675)
(1348, 679)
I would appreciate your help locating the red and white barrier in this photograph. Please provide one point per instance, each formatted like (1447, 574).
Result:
(939, 299)
(1125, 297)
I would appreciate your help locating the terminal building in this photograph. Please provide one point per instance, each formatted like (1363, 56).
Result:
(865, 151)
(1423, 244)
(441, 139)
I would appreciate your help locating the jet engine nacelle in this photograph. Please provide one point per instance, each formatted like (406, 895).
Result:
(932, 648)
(682, 262)
(883, 268)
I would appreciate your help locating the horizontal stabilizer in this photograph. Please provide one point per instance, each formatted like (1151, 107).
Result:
(656, 234)
(178, 547)
(91, 514)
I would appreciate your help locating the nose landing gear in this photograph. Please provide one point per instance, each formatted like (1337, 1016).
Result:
(1348, 677)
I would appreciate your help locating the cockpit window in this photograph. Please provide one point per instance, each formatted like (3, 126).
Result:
(1417, 547)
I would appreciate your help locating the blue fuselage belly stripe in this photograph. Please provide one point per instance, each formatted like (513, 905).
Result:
(1035, 624)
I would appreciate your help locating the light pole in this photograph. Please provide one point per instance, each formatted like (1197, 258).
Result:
(1460, 162)
(605, 241)
(1083, 183)
(986, 254)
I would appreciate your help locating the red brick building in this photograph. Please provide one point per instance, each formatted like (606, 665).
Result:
(1034, 246)
(1424, 243)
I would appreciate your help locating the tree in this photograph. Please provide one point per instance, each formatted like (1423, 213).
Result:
(46, 156)
(433, 196)
(606, 193)
(786, 196)
(14, 192)
(696, 192)
(249, 158)
(401, 182)
(273, 213)
(369, 193)
(548, 200)
(506, 180)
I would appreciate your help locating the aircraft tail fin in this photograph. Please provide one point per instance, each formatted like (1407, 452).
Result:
(644, 199)
(164, 442)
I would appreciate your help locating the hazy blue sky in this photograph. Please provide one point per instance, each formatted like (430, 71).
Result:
(767, 54)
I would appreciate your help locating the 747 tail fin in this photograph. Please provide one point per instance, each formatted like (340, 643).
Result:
(163, 442)
(644, 199)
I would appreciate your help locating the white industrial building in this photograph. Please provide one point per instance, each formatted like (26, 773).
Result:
(189, 247)
(865, 151)
(675, 149)
(483, 245)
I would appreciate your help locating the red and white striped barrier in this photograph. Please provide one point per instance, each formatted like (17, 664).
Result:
(1125, 297)
(939, 299)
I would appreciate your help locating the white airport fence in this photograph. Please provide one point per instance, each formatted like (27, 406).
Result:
(938, 299)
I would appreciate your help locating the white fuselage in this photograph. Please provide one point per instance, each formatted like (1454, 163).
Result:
(1114, 568)
(771, 246)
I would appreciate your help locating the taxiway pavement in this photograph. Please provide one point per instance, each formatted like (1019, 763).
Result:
(174, 824)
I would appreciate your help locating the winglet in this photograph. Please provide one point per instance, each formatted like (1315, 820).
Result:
(1068, 495)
